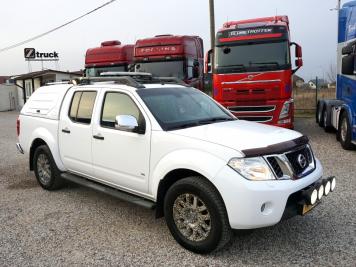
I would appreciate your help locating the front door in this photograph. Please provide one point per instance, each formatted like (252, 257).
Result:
(121, 158)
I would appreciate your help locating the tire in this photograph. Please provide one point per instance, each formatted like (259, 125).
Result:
(317, 115)
(46, 171)
(214, 231)
(344, 132)
(320, 116)
(326, 119)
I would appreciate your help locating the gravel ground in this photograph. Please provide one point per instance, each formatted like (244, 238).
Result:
(77, 226)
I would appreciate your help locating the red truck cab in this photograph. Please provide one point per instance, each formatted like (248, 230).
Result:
(111, 56)
(172, 56)
(252, 75)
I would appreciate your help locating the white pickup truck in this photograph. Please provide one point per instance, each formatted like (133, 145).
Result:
(172, 148)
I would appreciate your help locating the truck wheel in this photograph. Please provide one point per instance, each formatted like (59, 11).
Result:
(326, 119)
(344, 132)
(46, 171)
(320, 115)
(196, 215)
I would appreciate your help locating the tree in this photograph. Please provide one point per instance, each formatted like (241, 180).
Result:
(331, 73)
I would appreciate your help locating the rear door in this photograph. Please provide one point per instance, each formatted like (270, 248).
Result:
(75, 130)
(121, 158)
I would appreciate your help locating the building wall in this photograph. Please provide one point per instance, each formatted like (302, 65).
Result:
(37, 83)
(20, 96)
(8, 97)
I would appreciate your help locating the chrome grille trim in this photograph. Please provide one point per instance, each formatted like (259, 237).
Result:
(252, 109)
(287, 167)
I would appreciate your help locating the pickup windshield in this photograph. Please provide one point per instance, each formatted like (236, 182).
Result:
(252, 57)
(179, 108)
(163, 68)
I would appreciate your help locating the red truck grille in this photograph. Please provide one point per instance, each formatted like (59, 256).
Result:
(254, 113)
(245, 109)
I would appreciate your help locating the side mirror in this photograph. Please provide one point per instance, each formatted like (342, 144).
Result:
(298, 51)
(348, 64)
(208, 61)
(126, 123)
(298, 56)
(299, 62)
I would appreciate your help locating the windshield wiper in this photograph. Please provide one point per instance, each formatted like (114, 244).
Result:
(213, 120)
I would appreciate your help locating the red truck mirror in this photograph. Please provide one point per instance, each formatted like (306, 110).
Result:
(208, 61)
(298, 51)
(299, 62)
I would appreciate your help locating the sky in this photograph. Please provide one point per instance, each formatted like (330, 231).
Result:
(312, 24)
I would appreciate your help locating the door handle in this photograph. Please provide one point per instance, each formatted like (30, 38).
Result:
(66, 130)
(98, 137)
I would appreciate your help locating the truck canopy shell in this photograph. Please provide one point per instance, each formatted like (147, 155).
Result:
(46, 101)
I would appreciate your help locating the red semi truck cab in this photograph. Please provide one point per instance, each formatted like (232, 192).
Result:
(172, 56)
(111, 56)
(252, 75)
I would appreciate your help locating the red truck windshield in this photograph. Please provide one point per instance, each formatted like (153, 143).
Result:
(163, 69)
(252, 57)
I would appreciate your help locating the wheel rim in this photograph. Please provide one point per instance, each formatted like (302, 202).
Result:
(344, 129)
(325, 118)
(192, 217)
(319, 116)
(43, 169)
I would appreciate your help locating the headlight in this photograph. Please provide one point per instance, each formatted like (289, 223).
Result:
(285, 109)
(255, 169)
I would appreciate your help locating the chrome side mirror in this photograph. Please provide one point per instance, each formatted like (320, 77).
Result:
(125, 123)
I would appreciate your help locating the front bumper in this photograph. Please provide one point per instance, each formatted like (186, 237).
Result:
(253, 204)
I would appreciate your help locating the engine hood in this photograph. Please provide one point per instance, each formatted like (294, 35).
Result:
(239, 135)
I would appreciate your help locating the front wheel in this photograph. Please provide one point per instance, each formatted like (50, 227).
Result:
(196, 215)
(344, 132)
(46, 171)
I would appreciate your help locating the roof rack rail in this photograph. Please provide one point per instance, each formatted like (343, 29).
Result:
(57, 83)
(125, 80)
(134, 79)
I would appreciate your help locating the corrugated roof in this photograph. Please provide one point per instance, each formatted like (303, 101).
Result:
(36, 74)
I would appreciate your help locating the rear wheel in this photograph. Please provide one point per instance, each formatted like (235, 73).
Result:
(326, 120)
(196, 215)
(317, 113)
(320, 116)
(46, 171)
(344, 132)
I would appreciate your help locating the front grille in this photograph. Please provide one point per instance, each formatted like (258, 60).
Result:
(294, 161)
(245, 109)
(289, 164)
(275, 166)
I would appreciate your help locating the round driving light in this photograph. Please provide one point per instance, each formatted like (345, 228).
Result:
(320, 192)
(314, 197)
(333, 184)
(327, 188)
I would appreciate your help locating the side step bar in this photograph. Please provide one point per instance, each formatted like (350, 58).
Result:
(109, 190)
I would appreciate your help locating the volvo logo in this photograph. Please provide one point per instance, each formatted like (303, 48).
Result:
(302, 160)
(250, 77)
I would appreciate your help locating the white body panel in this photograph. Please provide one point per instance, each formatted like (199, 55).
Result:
(137, 163)
(122, 158)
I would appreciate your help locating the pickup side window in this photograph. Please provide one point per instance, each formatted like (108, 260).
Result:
(81, 109)
(118, 104)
